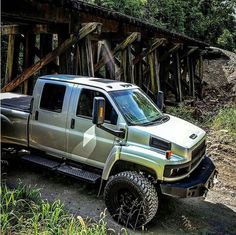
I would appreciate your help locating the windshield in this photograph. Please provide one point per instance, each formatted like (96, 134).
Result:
(136, 107)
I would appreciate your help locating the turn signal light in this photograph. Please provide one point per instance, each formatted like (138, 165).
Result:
(101, 112)
(168, 154)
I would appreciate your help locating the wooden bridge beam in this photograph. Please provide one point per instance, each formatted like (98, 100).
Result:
(10, 57)
(190, 68)
(156, 43)
(90, 27)
(123, 45)
(170, 51)
(34, 29)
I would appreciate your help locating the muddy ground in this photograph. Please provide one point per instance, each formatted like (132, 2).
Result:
(216, 214)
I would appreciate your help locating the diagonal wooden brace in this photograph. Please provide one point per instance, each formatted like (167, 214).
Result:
(87, 29)
(124, 44)
(156, 43)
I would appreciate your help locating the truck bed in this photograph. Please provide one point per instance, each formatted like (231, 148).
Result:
(16, 101)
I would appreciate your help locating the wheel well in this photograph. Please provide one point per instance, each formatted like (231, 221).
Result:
(120, 166)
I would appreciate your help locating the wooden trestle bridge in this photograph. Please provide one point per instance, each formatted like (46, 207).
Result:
(74, 37)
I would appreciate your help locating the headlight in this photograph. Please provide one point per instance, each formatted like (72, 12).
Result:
(160, 144)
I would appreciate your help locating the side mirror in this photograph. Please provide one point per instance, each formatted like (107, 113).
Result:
(98, 110)
(160, 100)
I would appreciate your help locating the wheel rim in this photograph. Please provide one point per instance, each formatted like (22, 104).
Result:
(128, 208)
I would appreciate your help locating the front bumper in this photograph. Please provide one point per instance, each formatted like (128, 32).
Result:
(196, 185)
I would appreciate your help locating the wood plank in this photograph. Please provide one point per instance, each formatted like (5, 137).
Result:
(129, 40)
(49, 57)
(89, 56)
(10, 54)
(138, 66)
(157, 69)
(124, 65)
(189, 52)
(152, 72)
(177, 77)
(34, 11)
(64, 58)
(28, 60)
(191, 76)
(44, 48)
(156, 43)
(170, 51)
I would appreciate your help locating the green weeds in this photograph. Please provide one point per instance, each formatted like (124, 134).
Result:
(24, 212)
(225, 120)
(182, 111)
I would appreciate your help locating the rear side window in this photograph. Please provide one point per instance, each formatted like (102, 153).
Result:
(85, 106)
(52, 97)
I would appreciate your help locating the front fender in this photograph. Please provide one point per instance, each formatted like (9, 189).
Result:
(137, 155)
(112, 158)
(144, 157)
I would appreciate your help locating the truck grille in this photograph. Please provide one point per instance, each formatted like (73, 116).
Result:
(178, 170)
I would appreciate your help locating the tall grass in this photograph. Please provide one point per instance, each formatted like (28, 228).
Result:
(24, 212)
(226, 119)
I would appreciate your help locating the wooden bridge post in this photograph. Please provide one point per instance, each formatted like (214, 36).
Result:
(28, 60)
(177, 77)
(49, 57)
(10, 58)
(191, 76)
(119, 48)
(44, 48)
(64, 58)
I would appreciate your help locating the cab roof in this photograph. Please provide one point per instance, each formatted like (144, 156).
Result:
(105, 84)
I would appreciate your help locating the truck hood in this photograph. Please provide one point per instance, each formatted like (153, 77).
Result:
(175, 130)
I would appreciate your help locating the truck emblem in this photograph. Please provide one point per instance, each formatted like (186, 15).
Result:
(193, 136)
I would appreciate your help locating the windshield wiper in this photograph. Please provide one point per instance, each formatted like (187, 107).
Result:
(161, 119)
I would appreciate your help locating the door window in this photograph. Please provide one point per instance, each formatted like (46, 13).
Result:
(52, 97)
(85, 106)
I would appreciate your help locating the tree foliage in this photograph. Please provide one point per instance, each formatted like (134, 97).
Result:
(212, 21)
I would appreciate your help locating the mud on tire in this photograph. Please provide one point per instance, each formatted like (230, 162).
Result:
(131, 199)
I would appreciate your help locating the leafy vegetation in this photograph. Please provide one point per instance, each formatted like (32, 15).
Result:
(24, 212)
(226, 119)
(212, 21)
(182, 111)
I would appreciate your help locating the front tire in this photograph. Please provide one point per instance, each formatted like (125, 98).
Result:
(131, 199)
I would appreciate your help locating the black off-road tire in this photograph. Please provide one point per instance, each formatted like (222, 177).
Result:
(131, 199)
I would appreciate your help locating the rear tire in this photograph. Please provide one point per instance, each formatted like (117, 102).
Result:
(131, 199)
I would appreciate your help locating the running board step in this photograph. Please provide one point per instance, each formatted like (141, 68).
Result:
(41, 161)
(79, 173)
(63, 168)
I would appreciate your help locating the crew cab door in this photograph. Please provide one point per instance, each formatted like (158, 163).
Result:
(86, 142)
(49, 116)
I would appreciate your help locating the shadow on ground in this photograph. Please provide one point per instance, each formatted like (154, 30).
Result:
(177, 216)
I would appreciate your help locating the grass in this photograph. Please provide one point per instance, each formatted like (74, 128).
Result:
(182, 111)
(225, 120)
(24, 212)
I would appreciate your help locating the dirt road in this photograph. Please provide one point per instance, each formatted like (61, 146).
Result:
(214, 215)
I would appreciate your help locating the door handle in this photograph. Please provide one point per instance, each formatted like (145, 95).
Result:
(36, 115)
(72, 124)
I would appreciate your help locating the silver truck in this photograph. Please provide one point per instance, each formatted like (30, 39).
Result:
(107, 131)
